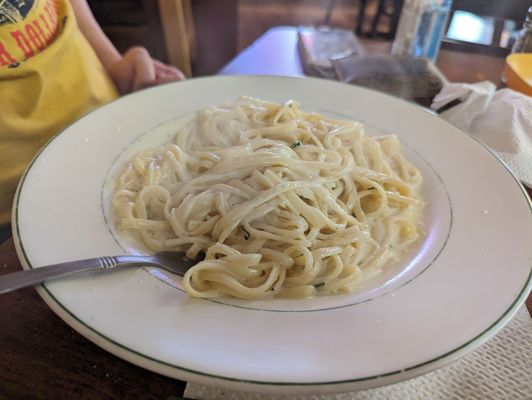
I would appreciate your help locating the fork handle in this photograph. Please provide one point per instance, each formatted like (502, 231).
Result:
(21, 279)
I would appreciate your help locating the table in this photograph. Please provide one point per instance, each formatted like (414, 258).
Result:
(275, 53)
(42, 357)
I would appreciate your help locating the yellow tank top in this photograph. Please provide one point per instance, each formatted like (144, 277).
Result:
(49, 76)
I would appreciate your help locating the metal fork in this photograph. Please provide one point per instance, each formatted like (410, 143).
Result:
(174, 262)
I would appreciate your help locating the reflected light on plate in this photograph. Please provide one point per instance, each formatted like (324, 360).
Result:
(428, 244)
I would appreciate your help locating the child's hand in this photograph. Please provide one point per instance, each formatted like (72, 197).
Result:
(137, 70)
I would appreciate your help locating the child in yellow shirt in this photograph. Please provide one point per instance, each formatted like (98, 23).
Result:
(56, 64)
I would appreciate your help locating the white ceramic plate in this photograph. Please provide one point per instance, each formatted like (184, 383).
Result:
(455, 290)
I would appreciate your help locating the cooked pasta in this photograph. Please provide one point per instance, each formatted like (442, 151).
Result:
(281, 202)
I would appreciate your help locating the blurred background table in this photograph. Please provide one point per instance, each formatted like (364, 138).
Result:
(276, 53)
(217, 30)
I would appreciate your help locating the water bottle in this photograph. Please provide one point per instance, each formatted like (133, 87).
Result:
(421, 27)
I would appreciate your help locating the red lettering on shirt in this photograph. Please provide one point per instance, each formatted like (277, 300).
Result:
(23, 43)
(49, 33)
(5, 57)
(52, 13)
(35, 38)
(42, 35)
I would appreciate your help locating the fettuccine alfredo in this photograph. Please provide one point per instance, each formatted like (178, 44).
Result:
(282, 202)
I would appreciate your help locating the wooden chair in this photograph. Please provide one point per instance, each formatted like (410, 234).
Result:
(179, 33)
(199, 35)
(131, 22)
(144, 22)
(362, 5)
(168, 29)
(390, 10)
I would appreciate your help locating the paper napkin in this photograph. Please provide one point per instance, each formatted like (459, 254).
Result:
(501, 119)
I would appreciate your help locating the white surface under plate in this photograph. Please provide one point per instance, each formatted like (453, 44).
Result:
(460, 284)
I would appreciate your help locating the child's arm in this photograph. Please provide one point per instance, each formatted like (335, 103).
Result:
(133, 71)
